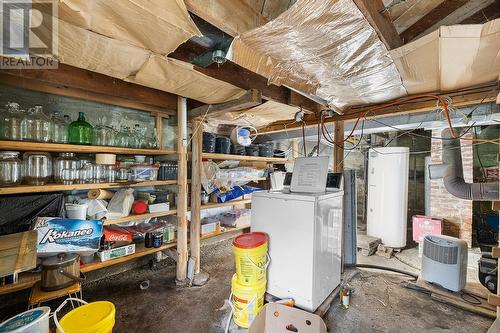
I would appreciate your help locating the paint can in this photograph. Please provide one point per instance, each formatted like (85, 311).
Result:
(250, 254)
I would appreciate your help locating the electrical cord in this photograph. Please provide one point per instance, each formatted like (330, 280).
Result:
(475, 299)
(384, 268)
(304, 138)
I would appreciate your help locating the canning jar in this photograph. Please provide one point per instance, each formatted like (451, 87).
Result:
(59, 128)
(37, 168)
(104, 136)
(66, 168)
(11, 122)
(10, 168)
(42, 125)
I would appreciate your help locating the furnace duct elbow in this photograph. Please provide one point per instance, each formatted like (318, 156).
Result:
(453, 176)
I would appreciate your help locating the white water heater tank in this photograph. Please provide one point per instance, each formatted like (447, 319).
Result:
(387, 203)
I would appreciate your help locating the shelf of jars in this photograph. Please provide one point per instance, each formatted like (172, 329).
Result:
(18, 189)
(62, 147)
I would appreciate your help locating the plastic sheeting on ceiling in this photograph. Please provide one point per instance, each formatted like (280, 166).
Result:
(126, 38)
(322, 47)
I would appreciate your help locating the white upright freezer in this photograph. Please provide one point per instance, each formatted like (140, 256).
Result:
(304, 243)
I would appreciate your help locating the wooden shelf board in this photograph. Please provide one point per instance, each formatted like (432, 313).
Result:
(225, 204)
(139, 217)
(60, 187)
(28, 280)
(61, 147)
(140, 251)
(244, 158)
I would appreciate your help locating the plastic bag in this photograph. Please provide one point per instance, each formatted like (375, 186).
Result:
(236, 192)
(97, 209)
(120, 204)
(214, 178)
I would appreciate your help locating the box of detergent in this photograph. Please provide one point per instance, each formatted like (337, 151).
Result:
(56, 235)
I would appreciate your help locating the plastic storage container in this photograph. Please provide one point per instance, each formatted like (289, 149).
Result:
(222, 145)
(167, 171)
(238, 149)
(31, 321)
(252, 150)
(80, 131)
(143, 172)
(208, 142)
(266, 149)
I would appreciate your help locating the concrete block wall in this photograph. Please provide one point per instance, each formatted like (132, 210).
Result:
(457, 213)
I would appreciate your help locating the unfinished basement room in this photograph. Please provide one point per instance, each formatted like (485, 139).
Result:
(260, 166)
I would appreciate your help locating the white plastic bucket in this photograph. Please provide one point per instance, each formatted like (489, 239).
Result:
(31, 321)
(76, 211)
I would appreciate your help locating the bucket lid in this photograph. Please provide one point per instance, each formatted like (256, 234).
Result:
(90, 317)
(20, 322)
(250, 240)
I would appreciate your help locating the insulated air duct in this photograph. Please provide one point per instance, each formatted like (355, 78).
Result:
(453, 176)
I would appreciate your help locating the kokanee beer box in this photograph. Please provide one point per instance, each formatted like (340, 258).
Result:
(56, 235)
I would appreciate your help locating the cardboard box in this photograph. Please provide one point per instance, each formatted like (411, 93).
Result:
(116, 252)
(209, 226)
(56, 235)
(426, 225)
(279, 318)
(159, 207)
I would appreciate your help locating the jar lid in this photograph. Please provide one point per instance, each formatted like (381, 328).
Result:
(250, 240)
(61, 259)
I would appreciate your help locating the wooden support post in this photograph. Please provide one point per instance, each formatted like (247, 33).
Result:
(295, 149)
(159, 130)
(182, 243)
(197, 143)
(338, 148)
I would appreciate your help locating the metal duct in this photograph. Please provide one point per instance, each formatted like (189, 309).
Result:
(453, 175)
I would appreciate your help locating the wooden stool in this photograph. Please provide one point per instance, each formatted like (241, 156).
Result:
(38, 296)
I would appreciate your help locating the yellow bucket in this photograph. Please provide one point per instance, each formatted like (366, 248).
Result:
(247, 301)
(95, 317)
(250, 256)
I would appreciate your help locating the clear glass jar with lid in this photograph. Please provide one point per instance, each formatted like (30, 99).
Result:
(10, 168)
(42, 125)
(66, 168)
(37, 168)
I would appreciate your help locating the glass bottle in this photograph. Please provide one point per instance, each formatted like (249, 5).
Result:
(136, 137)
(66, 168)
(37, 167)
(67, 119)
(11, 122)
(10, 168)
(41, 130)
(80, 131)
(59, 128)
(27, 125)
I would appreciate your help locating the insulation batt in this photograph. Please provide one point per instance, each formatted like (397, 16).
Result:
(326, 48)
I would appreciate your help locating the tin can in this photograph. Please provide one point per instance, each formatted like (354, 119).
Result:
(148, 240)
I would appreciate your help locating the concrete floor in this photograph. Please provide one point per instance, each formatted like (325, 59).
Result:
(378, 303)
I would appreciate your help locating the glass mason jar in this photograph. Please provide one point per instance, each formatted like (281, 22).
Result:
(37, 167)
(59, 128)
(66, 168)
(11, 122)
(80, 131)
(10, 168)
(42, 124)
(104, 136)
(122, 137)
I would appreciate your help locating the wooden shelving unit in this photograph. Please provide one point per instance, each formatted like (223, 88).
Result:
(139, 217)
(226, 204)
(27, 280)
(62, 148)
(214, 156)
(73, 187)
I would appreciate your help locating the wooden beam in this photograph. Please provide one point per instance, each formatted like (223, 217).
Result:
(60, 90)
(484, 15)
(338, 148)
(251, 98)
(182, 241)
(66, 77)
(414, 12)
(159, 130)
(197, 143)
(234, 17)
(484, 94)
(433, 17)
(243, 78)
(379, 19)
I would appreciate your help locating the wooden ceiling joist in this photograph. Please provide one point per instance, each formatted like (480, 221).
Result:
(374, 12)
(484, 15)
(483, 94)
(250, 99)
(79, 83)
(244, 78)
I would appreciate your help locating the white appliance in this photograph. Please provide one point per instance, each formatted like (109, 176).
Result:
(304, 243)
(387, 202)
(444, 261)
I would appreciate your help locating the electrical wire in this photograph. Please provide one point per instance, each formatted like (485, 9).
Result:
(390, 269)
(304, 138)
(475, 299)
(479, 157)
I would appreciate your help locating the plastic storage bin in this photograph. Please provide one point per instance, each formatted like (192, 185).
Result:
(142, 172)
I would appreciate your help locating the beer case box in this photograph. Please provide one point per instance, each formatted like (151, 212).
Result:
(118, 252)
(56, 235)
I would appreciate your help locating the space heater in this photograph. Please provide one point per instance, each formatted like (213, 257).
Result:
(444, 261)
